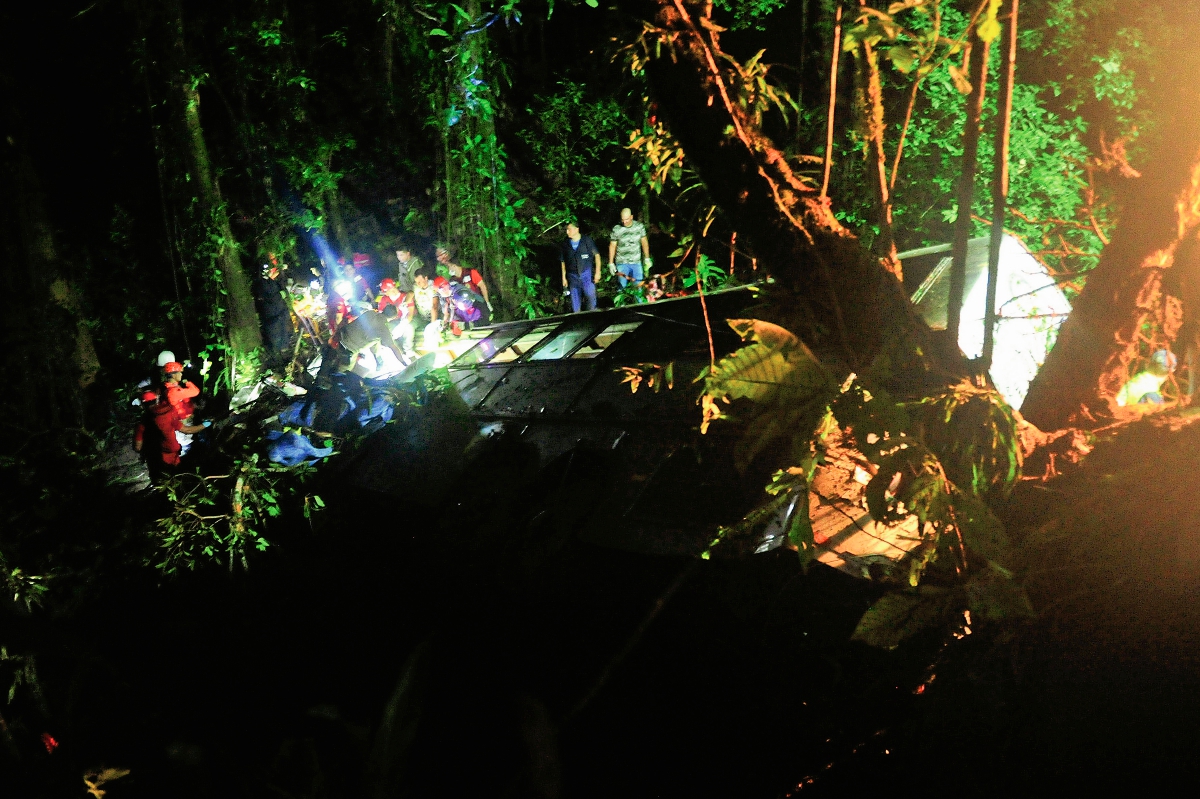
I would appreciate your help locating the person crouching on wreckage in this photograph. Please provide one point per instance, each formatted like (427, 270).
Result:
(459, 306)
(363, 336)
(456, 273)
(399, 309)
(425, 298)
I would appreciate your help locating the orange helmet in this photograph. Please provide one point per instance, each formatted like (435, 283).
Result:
(173, 366)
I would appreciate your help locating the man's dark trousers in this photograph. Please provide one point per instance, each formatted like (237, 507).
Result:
(583, 291)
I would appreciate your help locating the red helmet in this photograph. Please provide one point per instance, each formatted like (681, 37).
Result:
(387, 283)
(149, 396)
(173, 366)
(361, 260)
(441, 284)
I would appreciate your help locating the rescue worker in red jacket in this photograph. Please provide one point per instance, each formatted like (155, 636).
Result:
(390, 294)
(179, 391)
(155, 435)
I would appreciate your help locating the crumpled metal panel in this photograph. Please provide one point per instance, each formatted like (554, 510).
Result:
(473, 384)
(543, 389)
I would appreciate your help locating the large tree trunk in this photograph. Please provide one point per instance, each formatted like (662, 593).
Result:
(48, 357)
(242, 330)
(1124, 298)
(966, 184)
(475, 167)
(851, 304)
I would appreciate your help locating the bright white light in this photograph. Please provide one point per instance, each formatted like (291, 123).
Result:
(1030, 309)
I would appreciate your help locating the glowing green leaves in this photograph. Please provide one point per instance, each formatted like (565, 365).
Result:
(903, 58)
(898, 616)
(791, 389)
(776, 362)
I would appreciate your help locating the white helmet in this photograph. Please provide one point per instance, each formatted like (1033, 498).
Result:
(165, 357)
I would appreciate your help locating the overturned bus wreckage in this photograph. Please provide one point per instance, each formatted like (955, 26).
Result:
(605, 404)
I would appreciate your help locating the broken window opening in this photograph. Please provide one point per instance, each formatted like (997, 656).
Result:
(523, 344)
(488, 347)
(562, 343)
(605, 339)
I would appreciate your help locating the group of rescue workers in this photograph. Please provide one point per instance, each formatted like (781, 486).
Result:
(340, 309)
(164, 433)
(417, 300)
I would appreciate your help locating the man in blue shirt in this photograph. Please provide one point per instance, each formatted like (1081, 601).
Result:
(580, 261)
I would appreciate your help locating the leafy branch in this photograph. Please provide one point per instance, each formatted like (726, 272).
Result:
(930, 463)
(221, 517)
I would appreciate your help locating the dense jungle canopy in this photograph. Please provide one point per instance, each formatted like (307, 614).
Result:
(277, 631)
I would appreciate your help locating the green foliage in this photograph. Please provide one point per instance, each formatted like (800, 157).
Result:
(653, 375)
(23, 672)
(24, 588)
(575, 141)
(755, 93)
(482, 206)
(632, 294)
(1051, 200)
(908, 34)
(933, 460)
(974, 432)
(662, 158)
(44, 481)
(1119, 47)
(710, 275)
(538, 296)
(899, 615)
(750, 13)
(312, 171)
(789, 388)
(221, 518)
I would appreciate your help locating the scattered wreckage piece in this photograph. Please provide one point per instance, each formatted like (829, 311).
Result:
(847, 538)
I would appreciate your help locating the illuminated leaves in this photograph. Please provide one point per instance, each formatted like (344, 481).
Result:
(23, 671)
(95, 779)
(775, 363)
(903, 58)
(914, 451)
(270, 34)
(789, 387)
(220, 517)
(754, 92)
(652, 375)
(575, 137)
(974, 432)
(899, 615)
(662, 152)
(712, 275)
(993, 596)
